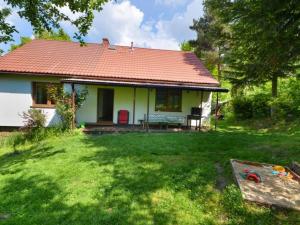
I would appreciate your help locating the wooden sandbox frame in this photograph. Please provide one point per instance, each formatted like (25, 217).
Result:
(273, 190)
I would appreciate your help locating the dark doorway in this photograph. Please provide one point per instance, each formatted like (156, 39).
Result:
(105, 105)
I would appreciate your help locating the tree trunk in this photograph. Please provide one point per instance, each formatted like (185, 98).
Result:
(274, 93)
(219, 65)
(274, 85)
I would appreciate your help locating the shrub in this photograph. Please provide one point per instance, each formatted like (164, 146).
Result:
(260, 104)
(242, 107)
(34, 119)
(64, 106)
(65, 111)
(287, 104)
(34, 123)
(257, 102)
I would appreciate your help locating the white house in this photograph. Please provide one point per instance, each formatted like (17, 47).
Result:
(148, 84)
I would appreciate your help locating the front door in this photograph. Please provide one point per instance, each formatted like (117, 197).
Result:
(105, 106)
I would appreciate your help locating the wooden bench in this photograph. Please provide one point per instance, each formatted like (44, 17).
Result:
(164, 120)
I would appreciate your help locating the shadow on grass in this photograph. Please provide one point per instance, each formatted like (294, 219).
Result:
(34, 152)
(180, 163)
(153, 179)
(38, 200)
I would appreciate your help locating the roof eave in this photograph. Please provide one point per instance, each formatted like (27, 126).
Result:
(201, 87)
(103, 78)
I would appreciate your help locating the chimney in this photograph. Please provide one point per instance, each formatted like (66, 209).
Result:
(105, 42)
(131, 47)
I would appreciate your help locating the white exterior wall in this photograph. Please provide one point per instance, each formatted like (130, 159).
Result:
(123, 99)
(16, 98)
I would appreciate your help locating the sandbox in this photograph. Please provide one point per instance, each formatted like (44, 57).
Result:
(273, 190)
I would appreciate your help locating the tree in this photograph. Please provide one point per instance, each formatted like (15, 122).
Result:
(186, 46)
(59, 35)
(23, 41)
(47, 15)
(265, 43)
(211, 42)
(6, 29)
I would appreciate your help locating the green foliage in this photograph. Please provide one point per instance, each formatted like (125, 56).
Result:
(6, 28)
(264, 42)
(242, 108)
(34, 119)
(211, 60)
(34, 125)
(63, 103)
(186, 46)
(288, 102)
(65, 110)
(261, 105)
(23, 41)
(47, 15)
(211, 42)
(257, 103)
(59, 35)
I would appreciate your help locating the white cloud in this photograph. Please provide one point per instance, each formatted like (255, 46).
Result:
(178, 26)
(66, 10)
(123, 22)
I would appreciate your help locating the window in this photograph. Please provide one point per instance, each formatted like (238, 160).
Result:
(168, 100)
(40, 95)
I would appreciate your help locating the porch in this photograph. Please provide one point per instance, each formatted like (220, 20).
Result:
(147, 105)
(95, 129)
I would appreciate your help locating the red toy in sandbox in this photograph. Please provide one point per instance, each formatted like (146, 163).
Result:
(251, 175)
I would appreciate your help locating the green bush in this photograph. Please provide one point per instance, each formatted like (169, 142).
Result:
(252, 106)
(260, 104)
(242, 108)
(257, 104)
(34, 123)
(34, 119)
(64, 106)
(287, 104)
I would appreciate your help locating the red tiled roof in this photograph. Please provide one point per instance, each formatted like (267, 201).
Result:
(98, 61)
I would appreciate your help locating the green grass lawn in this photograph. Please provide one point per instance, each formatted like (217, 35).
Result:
(139, 179)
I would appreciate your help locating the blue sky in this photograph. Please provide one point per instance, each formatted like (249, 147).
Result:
(148, 23)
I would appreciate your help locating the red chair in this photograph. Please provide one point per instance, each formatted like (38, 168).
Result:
(123, 117)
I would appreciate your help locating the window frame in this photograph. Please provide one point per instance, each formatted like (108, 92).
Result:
(34, 95)
(169, 92)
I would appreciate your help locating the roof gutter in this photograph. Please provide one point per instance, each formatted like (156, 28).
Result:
(145, 85)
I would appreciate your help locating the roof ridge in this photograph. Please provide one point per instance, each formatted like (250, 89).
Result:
(117, 45)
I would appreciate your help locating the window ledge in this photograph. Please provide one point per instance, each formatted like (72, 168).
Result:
(42, 107)
(168, 111)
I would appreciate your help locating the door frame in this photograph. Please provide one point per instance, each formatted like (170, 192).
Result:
(113, 105)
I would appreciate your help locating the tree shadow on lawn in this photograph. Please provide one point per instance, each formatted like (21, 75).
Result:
(34, 152)
(179, 164)
(142, 188)
(38, 200)
(154, 179)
